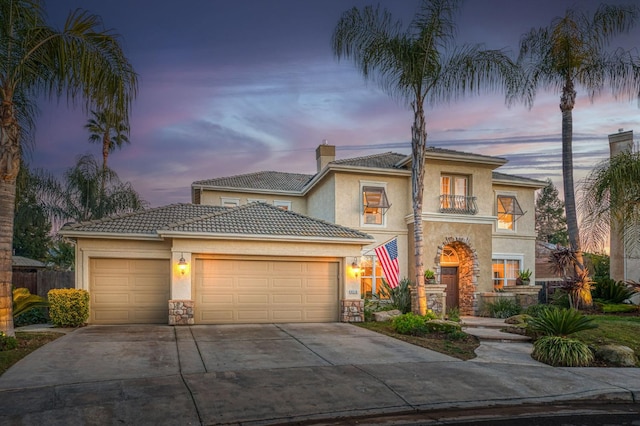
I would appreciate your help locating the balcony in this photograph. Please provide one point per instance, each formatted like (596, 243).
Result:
(458, 204)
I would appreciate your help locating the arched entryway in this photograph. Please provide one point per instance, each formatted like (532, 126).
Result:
(457, 267)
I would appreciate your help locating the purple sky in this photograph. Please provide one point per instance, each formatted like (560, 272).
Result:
(237, 86)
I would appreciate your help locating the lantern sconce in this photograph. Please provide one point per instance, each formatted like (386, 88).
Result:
(182, 264)
(355, 267)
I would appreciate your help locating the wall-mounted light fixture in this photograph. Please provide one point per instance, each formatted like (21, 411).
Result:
(182, 264)
(355, 267)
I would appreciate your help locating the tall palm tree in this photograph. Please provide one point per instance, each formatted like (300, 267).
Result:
(79, 197)
(611, 200)
(109, 130)
(419, 65)
(572, 52)
(80, 61)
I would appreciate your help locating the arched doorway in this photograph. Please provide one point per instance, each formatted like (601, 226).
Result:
(457, 265)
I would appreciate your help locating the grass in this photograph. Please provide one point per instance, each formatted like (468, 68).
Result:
(27, 343)
(618, 330)
(439, 342)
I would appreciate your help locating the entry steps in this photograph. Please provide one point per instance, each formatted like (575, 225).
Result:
(489, 329)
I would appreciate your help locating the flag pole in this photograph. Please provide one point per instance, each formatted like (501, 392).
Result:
(378, 245)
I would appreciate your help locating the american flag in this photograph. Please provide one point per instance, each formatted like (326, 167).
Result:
(388, 257)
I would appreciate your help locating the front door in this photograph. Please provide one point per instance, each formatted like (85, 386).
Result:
(449, 276)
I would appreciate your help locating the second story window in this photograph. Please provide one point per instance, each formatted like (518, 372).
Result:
(508, 212)
(283, 205)
(454, 195)
(374, 205)
(229, 202)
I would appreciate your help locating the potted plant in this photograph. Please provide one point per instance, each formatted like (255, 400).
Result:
(524, 277)
(429, 277)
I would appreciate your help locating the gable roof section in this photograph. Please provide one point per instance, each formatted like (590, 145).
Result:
(25, 262)
(262, 219)
(257, 220)
(275, 181)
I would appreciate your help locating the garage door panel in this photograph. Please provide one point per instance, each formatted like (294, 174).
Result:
(129, 290)
(246, 291)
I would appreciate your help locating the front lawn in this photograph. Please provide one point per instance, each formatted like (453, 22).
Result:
(618, 330)
(440, 342)
(27, 343)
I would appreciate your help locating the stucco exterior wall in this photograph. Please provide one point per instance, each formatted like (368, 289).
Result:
(214, 198)
(526, 224)
(480, 184)
(321, 200)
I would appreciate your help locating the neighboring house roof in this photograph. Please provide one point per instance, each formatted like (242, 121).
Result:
(25, 262)
(279, 181)
(505, 178)
(253, 219)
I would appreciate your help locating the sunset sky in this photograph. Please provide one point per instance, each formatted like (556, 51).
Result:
(237, 86)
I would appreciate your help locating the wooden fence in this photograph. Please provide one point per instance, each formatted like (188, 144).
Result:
(42, 280)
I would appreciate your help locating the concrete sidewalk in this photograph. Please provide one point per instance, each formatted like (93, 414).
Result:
(268, 374)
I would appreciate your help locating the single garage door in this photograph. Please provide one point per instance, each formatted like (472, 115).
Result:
(265, 291)
(129, 291)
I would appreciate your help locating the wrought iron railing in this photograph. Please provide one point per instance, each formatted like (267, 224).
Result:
(458, 204)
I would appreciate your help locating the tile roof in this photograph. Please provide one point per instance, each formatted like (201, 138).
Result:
(144, 221)
(436, 150)
(264, 219)
(387, 160)
(261, 180)
(250, 219)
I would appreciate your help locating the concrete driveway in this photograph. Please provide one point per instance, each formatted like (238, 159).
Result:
(269, 374)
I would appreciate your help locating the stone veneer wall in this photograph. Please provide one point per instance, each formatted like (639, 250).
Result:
(352, 310)
(437, 298)
(468, 271)
(181, 312)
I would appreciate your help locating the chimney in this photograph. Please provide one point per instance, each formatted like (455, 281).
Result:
(325, 154)
(620, 142)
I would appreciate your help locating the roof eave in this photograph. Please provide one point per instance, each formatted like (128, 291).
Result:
(110, 235)
(247, 190)
(532, 184)
(263, 237)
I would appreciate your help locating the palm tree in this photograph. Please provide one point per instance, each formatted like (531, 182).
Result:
(109, 130)
(611, 200)
(80, 197)
(568, 53)
(419, 65)
(81, 61)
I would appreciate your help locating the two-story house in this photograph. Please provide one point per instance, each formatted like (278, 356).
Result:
(289, 247)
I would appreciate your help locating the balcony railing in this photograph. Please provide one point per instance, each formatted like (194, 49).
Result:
(458, 204)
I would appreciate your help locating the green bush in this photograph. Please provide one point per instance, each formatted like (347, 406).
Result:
(562, 352)
(610, 291)
(68, 307)
(537, 310)
(441, 327)
(32, 316)
(7, 342)
(560, 298)
(456, 335)
(560, 322)
(399, 297)
(453, 314)
(410, 324)
(502, 308)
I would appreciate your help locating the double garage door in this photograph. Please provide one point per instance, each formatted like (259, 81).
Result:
(265, 291)
(136, 291)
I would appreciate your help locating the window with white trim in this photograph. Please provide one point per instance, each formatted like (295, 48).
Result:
(229, 202)
(505, 269)
(509, 211)
(284, 205)
(256, 200)
(371, 276)
(374, 205)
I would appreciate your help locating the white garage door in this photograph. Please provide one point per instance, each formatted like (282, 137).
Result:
(129, 291)
(265, 291)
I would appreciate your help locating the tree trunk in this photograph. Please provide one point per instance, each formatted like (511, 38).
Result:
(567, 102)
(106, 144)
(418, 150)
(9, 167)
